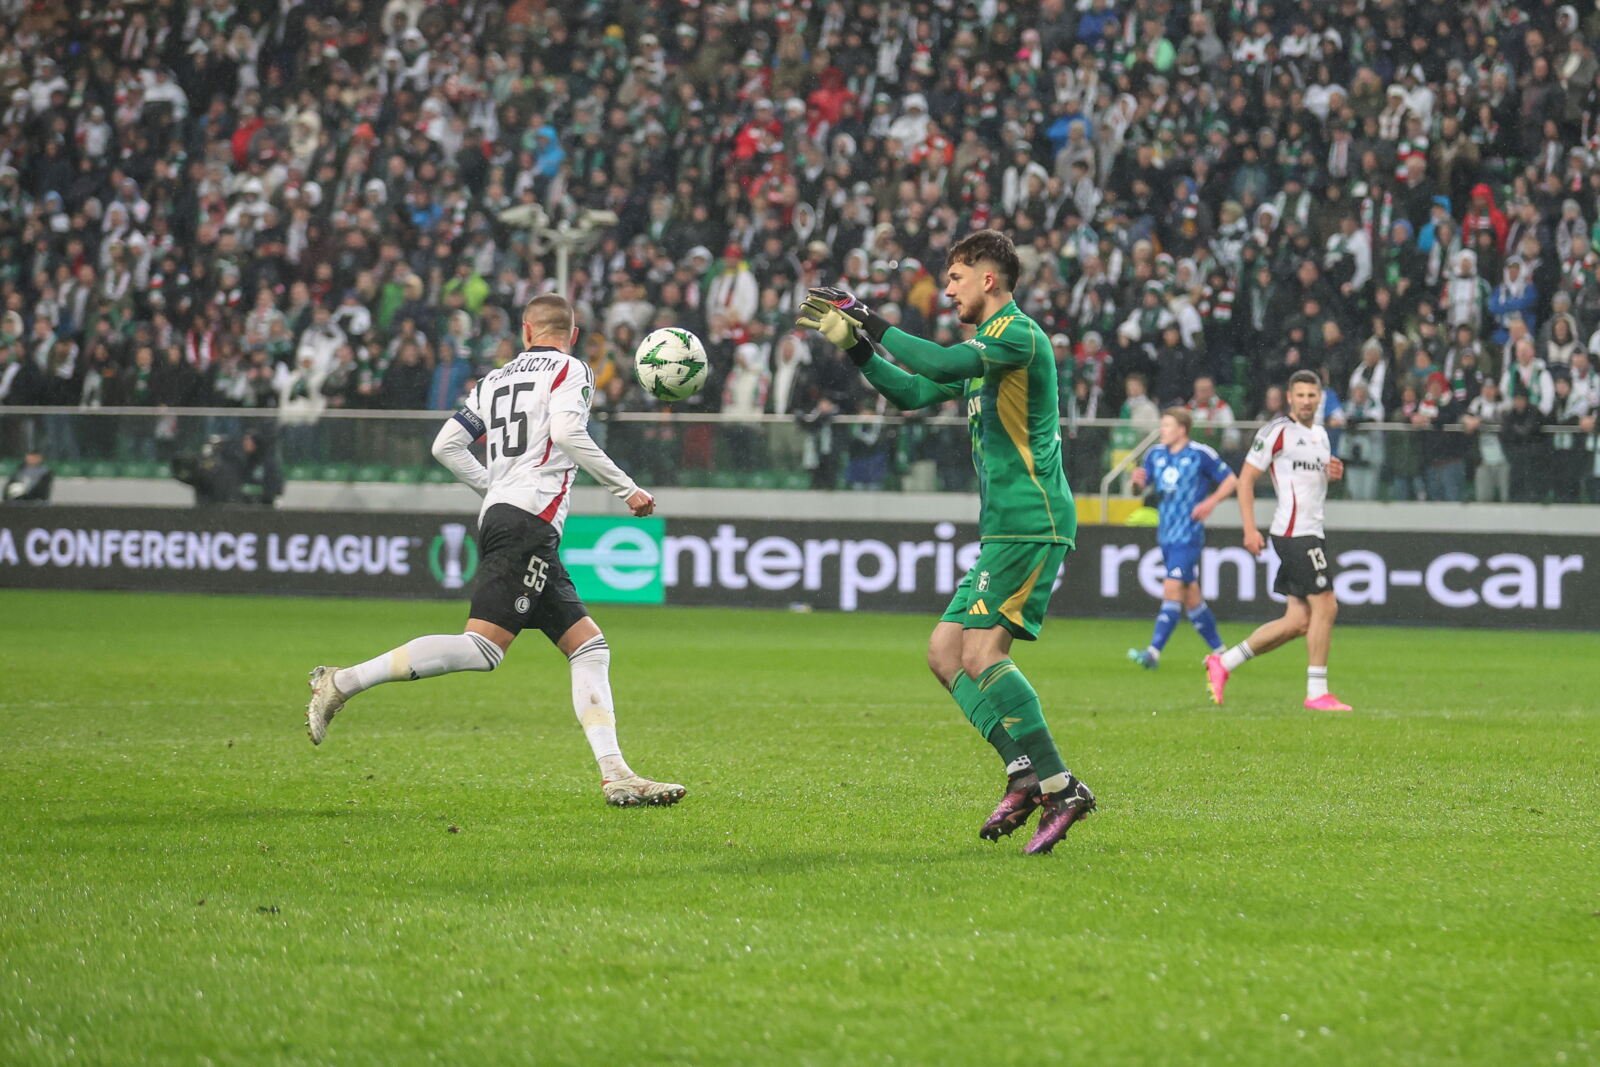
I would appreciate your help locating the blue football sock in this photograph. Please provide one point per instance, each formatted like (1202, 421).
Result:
(1166, 622)
(1205, 624)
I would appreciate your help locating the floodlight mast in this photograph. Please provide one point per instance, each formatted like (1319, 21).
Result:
(563, 238)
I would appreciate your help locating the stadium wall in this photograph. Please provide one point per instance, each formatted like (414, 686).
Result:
(1446, 578)
(1418, 517)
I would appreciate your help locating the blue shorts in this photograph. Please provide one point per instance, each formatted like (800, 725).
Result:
(1181, 561)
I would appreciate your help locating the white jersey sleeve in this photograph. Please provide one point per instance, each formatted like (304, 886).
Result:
(1260, 454)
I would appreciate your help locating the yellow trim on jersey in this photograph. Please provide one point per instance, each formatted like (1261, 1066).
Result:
(1012, 608)
(997, 326)
(1011, 404)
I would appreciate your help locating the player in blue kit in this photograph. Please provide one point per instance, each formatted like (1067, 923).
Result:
(1191, 480)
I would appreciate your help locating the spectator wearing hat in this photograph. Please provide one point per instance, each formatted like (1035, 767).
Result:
(1465, 295)
(1485, 215)
(1515, 295)
(1443, 453)
(733, 296)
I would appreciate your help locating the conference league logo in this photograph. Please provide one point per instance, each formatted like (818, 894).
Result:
(453, 556)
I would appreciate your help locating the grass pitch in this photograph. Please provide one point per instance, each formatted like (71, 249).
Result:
(186, 879)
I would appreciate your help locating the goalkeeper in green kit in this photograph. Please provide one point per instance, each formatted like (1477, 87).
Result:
(1027, 521)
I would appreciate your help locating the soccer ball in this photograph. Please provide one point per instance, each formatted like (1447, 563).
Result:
(671, 364)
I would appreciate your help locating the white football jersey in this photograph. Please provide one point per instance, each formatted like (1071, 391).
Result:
(511, 410)
(1297, 458)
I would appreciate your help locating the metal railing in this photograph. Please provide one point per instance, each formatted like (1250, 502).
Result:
(926, 453)
(1125, 466)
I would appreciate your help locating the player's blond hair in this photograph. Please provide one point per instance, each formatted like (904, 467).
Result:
(549, 314)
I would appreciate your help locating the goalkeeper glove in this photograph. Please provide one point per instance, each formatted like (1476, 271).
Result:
(840, 329)
(845, 302)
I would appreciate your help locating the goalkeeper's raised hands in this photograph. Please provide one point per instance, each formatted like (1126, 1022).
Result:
(849, 305)
(839, 328)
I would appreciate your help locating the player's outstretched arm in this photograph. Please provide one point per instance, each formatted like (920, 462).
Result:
(570, 433)
(936, 362)
(906, 391)
(451, 447)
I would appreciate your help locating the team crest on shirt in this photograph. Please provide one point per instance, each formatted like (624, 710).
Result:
(1258, 446)
(522, 605)
(983, 582)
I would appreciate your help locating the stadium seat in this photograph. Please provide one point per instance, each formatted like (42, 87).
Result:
(334, 472)
(103, 468)
(68, 469)
(370, 472)
(406, 475)
(301, 472)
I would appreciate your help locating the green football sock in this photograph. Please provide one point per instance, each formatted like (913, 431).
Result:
(981, 714)
(1014, 700)
(1010, 750)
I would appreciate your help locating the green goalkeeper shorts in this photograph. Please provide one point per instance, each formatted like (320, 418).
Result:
(1009, 586)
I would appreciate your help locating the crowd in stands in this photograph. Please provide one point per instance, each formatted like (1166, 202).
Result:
(327, 204)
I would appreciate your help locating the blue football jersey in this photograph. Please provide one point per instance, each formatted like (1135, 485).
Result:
(1183, 479)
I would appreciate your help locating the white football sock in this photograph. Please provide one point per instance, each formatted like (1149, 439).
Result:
(1055, 783)
(1234, 658)
(591, 701)
(1316, 682)
(1018, 765)
(423, 657)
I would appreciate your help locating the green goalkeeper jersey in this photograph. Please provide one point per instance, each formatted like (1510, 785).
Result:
(1014, 417)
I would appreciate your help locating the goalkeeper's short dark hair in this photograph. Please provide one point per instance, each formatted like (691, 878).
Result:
(991, 245)
(1306, 377)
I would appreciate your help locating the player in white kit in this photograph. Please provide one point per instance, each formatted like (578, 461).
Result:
(1296, 452)
(533, 415)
